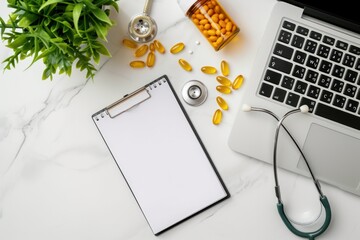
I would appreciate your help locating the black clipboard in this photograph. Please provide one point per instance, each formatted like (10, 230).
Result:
(160, 155)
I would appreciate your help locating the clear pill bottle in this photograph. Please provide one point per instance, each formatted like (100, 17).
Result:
(212, 20)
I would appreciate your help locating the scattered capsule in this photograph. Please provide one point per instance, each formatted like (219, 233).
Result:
(142, 50)
(150, 61)
(217, 117)
(159, 47)
(152, 47)
(238, 82)
(223, 89)
(225, 69)
(185, 65)
(137, 64)
(178, 47)
(222, 103)
(224, 81)
(208, 70)
(129, 43)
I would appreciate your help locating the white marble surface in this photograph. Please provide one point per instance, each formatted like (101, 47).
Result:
(58, 180)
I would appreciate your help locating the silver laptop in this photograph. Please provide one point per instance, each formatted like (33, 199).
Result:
(309, 55)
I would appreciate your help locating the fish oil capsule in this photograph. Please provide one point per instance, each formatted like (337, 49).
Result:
(222, 103)
(217, 117)
(224, 81)
(129, 43)
(137, 64)
(225, 69)
(223, 89)
(150, 61)
(159, 47)
(152, 47)
(185, 65)
(178, 47)
(238, 82)
(142, 50)
(209, 70)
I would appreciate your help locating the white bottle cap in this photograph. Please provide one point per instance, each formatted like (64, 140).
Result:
(185, 4)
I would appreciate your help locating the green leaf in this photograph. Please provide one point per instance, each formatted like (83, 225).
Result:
(102, 49)
(49, 2)
(101, 15)
(76, 15)
(19, 41)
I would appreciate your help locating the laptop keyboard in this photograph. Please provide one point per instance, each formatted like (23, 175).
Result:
(313, 68)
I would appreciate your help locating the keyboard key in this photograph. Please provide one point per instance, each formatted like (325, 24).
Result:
(312, 62)
(337, 115)
(325, 66)
(288, 82)
(300, 87)
(323, 51)
(310, 103)
(357, 65)
(352, 105)
(324, 81)
(279, 94)
(284, 36)
(342, 45)
(302, 30)
(338, 71)
(339, 101)
(283, 51)
(292, 99)
(289, 25)
(298, 41)
(299, 57)
(355, 50)
(266, 89)
(336, 55)
(311, 76)
(329, 40)
(273, 77)
(350, 90)
(299, 72)
(313, 92)
(326, 96)
(280, 65)
(310, 46)
(349, 60)
(351, 76)
(337, 85)
(315, 35)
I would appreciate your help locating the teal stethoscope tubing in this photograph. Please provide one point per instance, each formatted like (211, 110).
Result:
(280, 206)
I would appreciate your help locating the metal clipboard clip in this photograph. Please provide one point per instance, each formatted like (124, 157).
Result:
(127, 102)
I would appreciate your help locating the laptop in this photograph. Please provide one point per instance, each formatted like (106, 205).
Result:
(309, 55)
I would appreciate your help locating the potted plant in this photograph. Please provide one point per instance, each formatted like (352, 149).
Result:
(61, 33)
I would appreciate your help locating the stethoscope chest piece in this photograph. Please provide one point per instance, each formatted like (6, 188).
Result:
(194, 93)
(142, 28)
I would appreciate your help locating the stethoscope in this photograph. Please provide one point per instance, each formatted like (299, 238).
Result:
(142, 28)
(280, 206)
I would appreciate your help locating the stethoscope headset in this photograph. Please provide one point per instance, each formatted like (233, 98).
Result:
(280, 206)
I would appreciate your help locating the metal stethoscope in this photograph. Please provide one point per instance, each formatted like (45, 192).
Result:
(280, 206)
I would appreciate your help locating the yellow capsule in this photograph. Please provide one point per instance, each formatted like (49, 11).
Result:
(223, 89)
(159, 47)
(185, 65)
(129, 43)
(217, 117)
(209, 70)
(152, 47)
(142, 50)
(150, 61)
(137, 64)
(222, 103)
(238, 82)
(225, 69)
(224, 81)
(178, 47)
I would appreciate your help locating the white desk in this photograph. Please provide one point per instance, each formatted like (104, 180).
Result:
(58, 180)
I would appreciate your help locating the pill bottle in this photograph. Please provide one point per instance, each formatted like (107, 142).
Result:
(212, 20)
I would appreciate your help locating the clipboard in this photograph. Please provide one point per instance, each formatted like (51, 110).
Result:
(160, 155)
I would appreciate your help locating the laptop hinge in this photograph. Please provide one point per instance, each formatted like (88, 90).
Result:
(332, 19)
